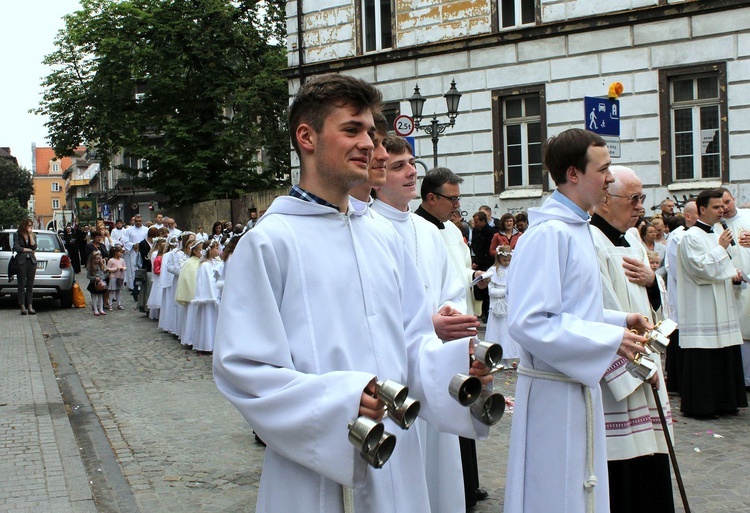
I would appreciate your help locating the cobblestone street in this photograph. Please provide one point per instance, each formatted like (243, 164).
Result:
(155, 435)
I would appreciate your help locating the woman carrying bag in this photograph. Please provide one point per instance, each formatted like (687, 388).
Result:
(24, 245)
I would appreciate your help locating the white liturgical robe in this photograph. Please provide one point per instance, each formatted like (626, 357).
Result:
(741, 260)
(555, 314)
(631, 417)
(705, 294)
(426, 247)
(133, 236)
(460, 258)
(316, 304)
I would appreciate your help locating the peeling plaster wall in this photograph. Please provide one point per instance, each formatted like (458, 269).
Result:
(571, 66)
(419, 21)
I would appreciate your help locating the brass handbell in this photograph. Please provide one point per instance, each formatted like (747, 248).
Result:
(402, 409)
(489, 408)
(641, 367)
(658, 338)
(373, 442)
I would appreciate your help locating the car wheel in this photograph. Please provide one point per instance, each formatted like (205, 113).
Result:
(66, 298)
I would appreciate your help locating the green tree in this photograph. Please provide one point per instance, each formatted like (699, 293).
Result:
(17, 183)
(193, 88)
(11, 213)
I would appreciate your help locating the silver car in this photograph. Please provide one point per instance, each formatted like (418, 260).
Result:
(54, 272)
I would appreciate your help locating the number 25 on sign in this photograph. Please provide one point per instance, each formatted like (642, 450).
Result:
(403, 125)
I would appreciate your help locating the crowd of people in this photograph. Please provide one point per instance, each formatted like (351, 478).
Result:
(340, 286)
(175, 276)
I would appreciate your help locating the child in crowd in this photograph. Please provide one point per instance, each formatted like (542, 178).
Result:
(153, 303)
(116, 270)
(185, 291)
(168, 310)
(96, 272)
(497, 323)
(655, 262)
(203, 310)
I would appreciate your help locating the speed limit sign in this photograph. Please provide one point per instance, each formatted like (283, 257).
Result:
(403, 125)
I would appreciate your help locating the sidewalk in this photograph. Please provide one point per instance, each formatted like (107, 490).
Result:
(40, 466)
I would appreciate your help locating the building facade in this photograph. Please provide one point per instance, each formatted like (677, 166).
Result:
(524, 68)
(48, 205)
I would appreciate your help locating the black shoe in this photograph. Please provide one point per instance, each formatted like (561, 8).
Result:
(481, 494)
(23, 311)
(31, 311)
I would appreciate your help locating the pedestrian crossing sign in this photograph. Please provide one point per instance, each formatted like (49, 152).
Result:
(602, 115)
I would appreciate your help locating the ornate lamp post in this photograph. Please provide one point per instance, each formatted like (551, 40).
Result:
(417, 101)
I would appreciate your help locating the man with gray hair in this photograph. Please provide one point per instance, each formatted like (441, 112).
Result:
(637, 460)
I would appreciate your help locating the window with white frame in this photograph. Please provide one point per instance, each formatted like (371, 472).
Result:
(519, 137)
(694, 142)
(55, 187)
(55, 167)
(514, 13)
(55, 204)
(377, 29)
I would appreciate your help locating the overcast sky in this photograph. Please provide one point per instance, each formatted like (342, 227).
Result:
(27, 35)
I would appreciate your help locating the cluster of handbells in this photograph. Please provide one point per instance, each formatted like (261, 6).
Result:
(376, 445)
(657, 340)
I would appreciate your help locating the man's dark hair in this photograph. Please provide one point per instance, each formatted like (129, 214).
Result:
(397, 145)
(521, 216)
(435, 178)
(381, 124)
(705, 196)
(675, 221)
(569, 148)
(317, 98)
(481, 216)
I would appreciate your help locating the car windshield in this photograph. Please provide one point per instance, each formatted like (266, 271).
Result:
(45, 243)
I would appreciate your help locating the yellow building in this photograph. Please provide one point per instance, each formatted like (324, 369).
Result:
(49, 187)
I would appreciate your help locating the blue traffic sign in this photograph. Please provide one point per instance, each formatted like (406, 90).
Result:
(602, 115)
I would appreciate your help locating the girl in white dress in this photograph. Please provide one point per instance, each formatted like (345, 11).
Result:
(203, 310)
(167, 284)
(185, 282)
(497, 322)
(153, 303)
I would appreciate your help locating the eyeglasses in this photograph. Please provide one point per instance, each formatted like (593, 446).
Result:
(634, 199)
(452, 199)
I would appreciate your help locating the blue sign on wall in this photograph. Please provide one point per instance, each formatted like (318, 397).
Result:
(602, 115)
(410, 140)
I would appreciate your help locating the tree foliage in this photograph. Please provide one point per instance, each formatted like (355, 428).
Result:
(17, 183)
(195, 88)
(11, 213)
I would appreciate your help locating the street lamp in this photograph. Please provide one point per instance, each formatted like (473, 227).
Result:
(417, 101)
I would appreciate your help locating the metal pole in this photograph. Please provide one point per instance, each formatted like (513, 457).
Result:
(435, 135)
(672, 455)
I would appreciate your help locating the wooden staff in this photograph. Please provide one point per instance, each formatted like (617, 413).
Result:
(672, 456)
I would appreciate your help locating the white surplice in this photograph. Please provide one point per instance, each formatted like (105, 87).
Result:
(132, 237)
(555, 315)
(631, 417)
(460, 258)
(741, 260)
(497, 322)
(203, 310)
(705, 294)
(670, 262)
(441, 450)
(315, 304)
